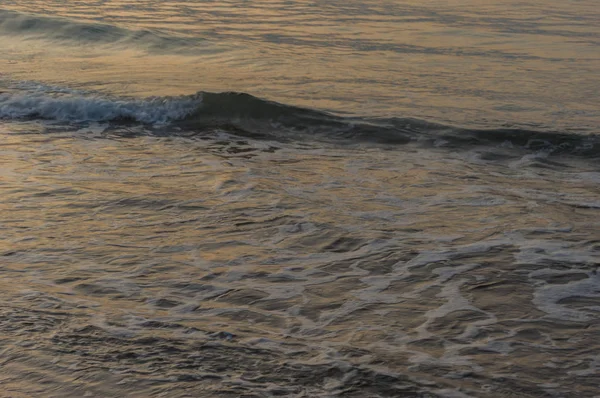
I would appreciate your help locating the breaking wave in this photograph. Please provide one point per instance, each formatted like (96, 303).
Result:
(246, 115)
(68, 107)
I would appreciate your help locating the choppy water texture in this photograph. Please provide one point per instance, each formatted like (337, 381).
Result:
(299, 199)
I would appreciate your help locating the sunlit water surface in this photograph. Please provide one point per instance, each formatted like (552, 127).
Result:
(429, 227)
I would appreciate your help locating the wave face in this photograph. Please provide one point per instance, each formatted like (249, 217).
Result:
(253, 116)
(70, 31)
(246, 115)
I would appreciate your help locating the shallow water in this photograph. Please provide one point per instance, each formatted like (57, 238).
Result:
(421, 217)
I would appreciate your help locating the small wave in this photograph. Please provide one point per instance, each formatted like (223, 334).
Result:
(68, 31)
(246, 115)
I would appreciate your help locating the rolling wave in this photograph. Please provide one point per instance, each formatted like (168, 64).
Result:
(59, 29)
(246, 115)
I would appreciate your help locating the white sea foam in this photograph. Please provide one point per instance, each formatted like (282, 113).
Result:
(548, 298)
(93, 108)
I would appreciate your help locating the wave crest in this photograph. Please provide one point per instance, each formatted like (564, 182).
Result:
(82, 108)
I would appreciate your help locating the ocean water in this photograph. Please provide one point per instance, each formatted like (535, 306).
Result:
(299, 199)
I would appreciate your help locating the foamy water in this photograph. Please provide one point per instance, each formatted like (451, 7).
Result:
(358, 199)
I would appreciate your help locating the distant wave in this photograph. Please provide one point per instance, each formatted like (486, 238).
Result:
(246, 115)
(69, 31)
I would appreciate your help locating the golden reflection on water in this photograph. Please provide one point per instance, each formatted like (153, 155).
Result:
(359, 251)
(128, 257)
(459, 62)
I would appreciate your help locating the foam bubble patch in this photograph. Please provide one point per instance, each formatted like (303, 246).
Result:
(94, 108)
